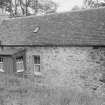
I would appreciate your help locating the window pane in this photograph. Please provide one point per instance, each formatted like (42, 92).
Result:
(36, 68)
(36, 59)
(36, 63)
(19, 58)
(20, 64)
(1, 59)
(1, 64)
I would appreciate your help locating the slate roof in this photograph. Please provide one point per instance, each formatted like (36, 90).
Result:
(9, 51)
(86, 27)
(3, 17)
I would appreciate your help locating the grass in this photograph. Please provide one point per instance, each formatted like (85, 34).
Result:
(23, 91)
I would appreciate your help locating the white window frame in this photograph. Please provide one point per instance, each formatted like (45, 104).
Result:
(2, 64)
(19, 62)
(37, 72)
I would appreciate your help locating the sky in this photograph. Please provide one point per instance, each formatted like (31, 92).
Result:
(67, 5)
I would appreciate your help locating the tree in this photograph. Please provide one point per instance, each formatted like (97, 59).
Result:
(47, 6)
(93, 3)
(28, 7)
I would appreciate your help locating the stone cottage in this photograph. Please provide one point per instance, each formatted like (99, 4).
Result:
(63, 47)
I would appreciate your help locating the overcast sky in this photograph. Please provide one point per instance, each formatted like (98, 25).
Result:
(66, 5)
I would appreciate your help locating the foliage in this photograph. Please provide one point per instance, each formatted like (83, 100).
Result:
(47, 6)
(94, 3)
(28, 7)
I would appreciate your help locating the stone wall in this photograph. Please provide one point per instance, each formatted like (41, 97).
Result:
(69, 66)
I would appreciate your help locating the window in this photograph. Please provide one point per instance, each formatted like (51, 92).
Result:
(36, 63)
(1, 64)
(19, 64)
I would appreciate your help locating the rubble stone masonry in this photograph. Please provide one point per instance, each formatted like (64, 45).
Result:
(69, 66)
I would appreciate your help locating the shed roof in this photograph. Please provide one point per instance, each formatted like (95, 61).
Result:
(86, 27)
(9, 51)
